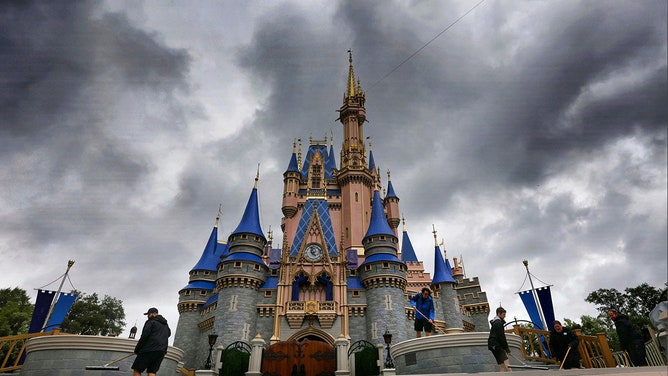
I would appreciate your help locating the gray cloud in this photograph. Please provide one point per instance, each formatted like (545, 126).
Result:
(527, 130)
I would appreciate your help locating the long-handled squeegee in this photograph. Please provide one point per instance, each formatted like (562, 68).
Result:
(108, 366)
(524, 365)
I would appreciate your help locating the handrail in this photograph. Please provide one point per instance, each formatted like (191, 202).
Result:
(535, 341)
(9, 344)
(594, 350)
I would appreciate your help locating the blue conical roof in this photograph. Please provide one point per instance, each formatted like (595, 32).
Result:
(292, 166)
(372, 163)
(390, 190)
(209, 259)
(442, 273)
(407, 251)
(378, 224)
(331, 160)
(250, 222)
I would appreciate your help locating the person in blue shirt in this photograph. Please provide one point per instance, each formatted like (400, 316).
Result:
(423, 304)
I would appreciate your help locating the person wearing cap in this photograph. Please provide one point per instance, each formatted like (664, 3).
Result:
(423, 304)
(497, 342)
(152, 345)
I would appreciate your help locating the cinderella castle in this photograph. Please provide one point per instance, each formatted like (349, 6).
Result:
(339, 270)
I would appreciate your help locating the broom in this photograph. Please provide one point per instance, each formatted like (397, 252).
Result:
(563, 361)
(107, 366)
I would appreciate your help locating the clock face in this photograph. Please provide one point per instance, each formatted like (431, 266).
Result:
(313, 252)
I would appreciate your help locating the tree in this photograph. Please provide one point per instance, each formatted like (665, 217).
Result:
(91, 316)
(15, 311)
(636, 302)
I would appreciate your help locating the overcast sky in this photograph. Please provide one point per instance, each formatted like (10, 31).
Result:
(527, 130)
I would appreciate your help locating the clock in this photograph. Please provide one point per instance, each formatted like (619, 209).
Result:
(313, 252)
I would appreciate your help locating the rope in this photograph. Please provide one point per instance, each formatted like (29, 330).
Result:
(426, 44)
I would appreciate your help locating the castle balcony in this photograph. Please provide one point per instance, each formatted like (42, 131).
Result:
(324, 312)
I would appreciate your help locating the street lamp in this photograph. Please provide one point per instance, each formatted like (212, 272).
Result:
(387, 336)
(212, 341)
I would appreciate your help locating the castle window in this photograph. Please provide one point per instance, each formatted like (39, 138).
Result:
(367, 267)
(353, 273)
(244, 237)
(316, 173)
(386, 265)
(267, 294)
(237, 264)
(187, 292)
(274, 271)
(382, 237)
(256, 267)
(206, 272)
(356, 197)
(356, 294)
(202, 292)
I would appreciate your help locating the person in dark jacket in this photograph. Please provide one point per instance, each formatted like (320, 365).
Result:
(629, 338)
(561, 340)
(152, 345)
(497, 342)
(423, 304)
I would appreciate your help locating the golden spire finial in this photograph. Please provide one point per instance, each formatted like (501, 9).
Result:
(220, 212)
(294, 146)
(257, 176)
(299, 155)
(388, 174)
(370, 146)
(331, 138)
(403, 221)
(350, 91)
(434, 232)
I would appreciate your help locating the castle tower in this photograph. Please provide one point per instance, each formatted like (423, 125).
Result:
(444, 285)
(200, 288)
(240, 275)
(355, 180)
(383, 276)
(392, 205)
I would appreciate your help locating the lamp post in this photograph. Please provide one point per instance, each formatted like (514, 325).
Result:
(387, 336)
(212, 341)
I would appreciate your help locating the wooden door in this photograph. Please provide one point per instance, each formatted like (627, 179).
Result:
(299, 358)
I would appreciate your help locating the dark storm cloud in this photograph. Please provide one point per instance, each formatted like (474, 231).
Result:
(45, 68)
(59, 137)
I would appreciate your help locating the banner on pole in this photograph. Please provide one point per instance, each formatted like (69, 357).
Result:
(42, 305)
(63, 306)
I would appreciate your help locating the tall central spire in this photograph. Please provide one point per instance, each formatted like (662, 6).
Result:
(350, 91)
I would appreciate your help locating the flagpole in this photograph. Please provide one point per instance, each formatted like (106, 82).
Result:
(535, 296)
(70, 263)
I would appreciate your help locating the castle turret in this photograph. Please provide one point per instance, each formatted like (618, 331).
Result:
(200, 288)
(383, 275)
(444, 284)
(291, 178)
(240, 275)
(392, 205)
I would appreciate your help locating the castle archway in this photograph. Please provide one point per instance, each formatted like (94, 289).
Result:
(308, 352)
